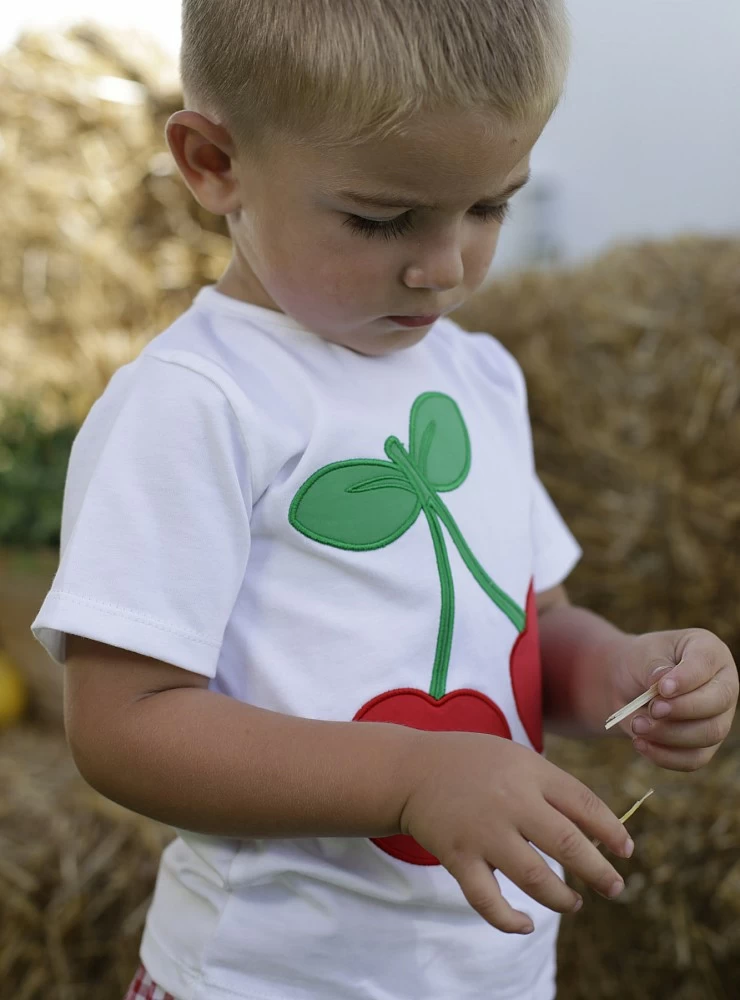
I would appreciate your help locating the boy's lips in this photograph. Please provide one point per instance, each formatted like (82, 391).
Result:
(414, 320)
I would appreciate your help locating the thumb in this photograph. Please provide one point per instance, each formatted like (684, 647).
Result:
(661, 654)
(658, 668)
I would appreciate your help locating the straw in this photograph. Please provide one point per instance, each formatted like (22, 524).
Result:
(630, 812)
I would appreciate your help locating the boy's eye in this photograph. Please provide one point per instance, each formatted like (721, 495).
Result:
(490, 213)
(390, 229)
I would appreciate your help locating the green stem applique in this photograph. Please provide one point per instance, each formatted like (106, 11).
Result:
(366, 504)
(509, 607)
(447, 611)
(399, 456)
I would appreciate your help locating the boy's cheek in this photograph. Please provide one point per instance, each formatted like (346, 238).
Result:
(478, 259)
(334, 276)
(354, 280)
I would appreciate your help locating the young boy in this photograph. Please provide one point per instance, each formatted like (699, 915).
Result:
(307, 567)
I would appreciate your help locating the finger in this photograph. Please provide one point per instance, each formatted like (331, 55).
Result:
(482, 891)
(703, 656)
(526, 868)
(675, 760)
(589, 813)
(561, 839)
(693, 735)
(713, 698)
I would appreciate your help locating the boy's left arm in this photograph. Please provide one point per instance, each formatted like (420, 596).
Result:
(591, 669)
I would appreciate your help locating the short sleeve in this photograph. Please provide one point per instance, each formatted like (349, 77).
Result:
(156, 522)
(556, 551)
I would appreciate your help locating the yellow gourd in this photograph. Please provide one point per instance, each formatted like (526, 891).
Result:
(13, 692)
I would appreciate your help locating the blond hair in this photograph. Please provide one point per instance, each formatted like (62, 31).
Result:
(342, 71)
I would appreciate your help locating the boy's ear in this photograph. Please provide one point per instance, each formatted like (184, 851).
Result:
(204, 155)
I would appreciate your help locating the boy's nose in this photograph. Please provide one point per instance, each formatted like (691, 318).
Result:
(440, 269)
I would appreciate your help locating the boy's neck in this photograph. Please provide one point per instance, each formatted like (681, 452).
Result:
(245, 287)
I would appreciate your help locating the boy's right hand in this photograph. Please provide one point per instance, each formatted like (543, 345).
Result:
(477, 801)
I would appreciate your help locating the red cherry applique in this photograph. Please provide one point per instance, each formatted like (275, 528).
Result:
(526, 674)
(365, 504)
(464, 711)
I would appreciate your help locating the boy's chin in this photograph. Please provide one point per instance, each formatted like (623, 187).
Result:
(379, 344)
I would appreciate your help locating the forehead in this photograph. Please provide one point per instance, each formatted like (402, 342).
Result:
(434, 157)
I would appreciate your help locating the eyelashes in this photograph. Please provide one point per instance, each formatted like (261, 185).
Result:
(491, 213)
(392, 229)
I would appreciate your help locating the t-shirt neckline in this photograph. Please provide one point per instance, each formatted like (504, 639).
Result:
(210, 297)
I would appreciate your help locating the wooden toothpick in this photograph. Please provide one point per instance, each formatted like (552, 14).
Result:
(638, 702)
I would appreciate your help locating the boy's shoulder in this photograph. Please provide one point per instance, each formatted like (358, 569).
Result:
(486, 353)
(214, 346)
(248, 343)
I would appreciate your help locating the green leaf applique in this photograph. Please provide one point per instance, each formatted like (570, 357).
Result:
(439, 442)
(365, 504)
(360, 504)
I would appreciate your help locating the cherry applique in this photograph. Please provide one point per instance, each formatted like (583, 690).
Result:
(526, 674)
(365, 504)
(463, 710)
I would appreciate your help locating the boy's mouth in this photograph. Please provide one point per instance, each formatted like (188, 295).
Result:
(414, 320)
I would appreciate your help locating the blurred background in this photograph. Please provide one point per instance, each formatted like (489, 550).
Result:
(617, 287)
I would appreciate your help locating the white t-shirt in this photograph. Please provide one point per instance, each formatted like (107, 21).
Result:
(330, 536)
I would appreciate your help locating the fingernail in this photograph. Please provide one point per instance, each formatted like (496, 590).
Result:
(660, 709)
(578, 906)
(527, 929)
(629, 848)
(641, 725)
(616, 889)
(668, 687)
(639, 745)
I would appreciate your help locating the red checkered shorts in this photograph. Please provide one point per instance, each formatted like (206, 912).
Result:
(143, 987)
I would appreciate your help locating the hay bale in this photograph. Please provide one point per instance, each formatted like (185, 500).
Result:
(76, 876)
(633, 368)
(103, 243)
(675, 930)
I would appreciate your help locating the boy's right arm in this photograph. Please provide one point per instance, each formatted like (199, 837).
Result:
(150, 736)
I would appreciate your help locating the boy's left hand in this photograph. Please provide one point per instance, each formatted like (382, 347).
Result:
(684, 726)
